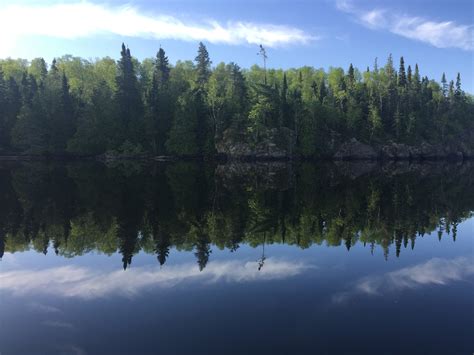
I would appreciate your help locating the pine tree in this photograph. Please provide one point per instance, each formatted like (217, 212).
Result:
(12, 102)
(203, 66)
(350, 75)
(458, 91)
(183, 138)
(416, 78)
(402, 81)
(162, 69)
(444, 85)
(204, 132)
(159, 115)
(31, 130)
(95, 126)
(284, 106)
(4, 134)
(451, 90)
(409, 75)
(376, 66)
(389, 69)
(128, 101)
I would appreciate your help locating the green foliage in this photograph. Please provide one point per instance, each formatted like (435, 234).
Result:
(78, 208)
(91, 107)
(183, 138)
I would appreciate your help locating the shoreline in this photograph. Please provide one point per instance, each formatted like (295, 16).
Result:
(230, 158)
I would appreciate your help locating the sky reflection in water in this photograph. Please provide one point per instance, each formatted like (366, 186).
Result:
(258, 294)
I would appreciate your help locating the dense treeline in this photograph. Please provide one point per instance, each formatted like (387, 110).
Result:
(79, 208)
(93, 107)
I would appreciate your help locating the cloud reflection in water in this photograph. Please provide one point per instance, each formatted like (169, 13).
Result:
(87, 283)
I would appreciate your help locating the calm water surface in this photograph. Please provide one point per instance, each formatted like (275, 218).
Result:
(189, 258)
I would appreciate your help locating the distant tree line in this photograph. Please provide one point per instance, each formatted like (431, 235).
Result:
(127, 106)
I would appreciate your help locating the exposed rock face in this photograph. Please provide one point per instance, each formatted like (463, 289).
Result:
(395, 151)
(426, 151)
(276, 143)
(233, 144)
(280, 144)
(272, 144)
(355, 150)
(274, 175)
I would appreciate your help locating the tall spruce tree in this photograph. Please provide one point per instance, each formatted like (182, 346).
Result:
(205, 132)
(351, 75)
(402, 81)
(203, 66)
(458, 91)
(444, 85)
(284, 105)
(160, 111)
(128, 102)
(4, 134)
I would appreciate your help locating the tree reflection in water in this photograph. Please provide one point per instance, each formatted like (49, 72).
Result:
(77, 208)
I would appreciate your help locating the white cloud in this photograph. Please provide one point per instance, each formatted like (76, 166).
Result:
(439, 34)
(374, 18)
(436, 271)
(86, 283)
(444, 34)
(43, 308)
(85, 19)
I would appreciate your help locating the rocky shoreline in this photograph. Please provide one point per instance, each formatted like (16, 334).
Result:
(268, 150)
(355, 150)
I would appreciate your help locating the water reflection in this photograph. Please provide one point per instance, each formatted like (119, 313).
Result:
(82, 207)
(436, 271)
(87, 283)
(237, 251)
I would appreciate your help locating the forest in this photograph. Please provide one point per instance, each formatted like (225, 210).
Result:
(76, 208)
(90, 107)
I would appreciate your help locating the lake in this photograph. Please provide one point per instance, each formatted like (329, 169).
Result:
(263, 258)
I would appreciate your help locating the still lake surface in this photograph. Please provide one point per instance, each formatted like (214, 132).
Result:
(189, 258)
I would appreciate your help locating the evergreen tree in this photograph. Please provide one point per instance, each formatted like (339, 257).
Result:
(416, 78)
(162, 68)
(11, 105)
(376, 66)
(284, 106)
(444, 85)
(458, 91)
(451, 90)
(30, 133)
(205, 132)
(183, 138)
(351, 76)
(95, 124)
(402, 81)
(4, 134)
(128, 101)
(159, 115)
(203, 66)
(389, 68)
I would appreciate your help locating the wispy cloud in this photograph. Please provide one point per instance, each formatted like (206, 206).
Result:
(436, 271)
(85, 19)
(443, 34)
(86, 283)
(58, 324)
(43, 308)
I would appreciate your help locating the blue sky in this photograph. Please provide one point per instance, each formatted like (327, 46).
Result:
(438, 35)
